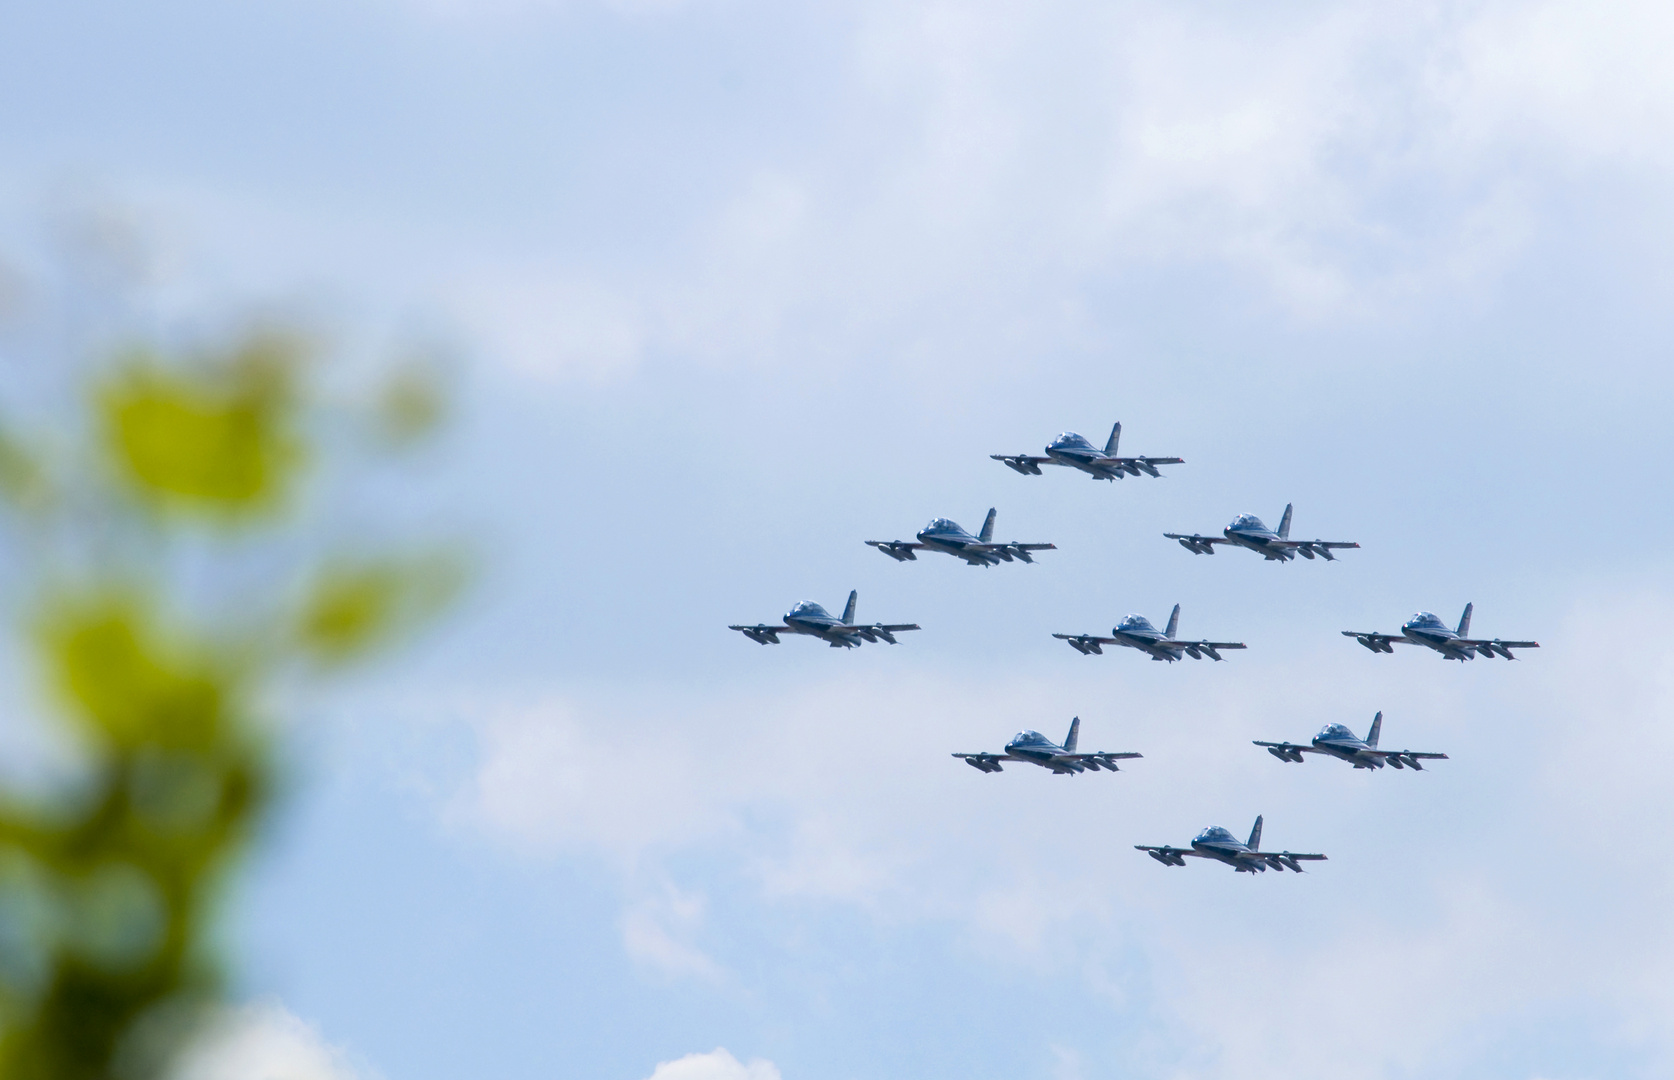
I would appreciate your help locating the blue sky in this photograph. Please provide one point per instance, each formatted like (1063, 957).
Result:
(734, 287)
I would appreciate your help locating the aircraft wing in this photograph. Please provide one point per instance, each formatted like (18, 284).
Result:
(1009, 552)
(1026, 464)
(1309, 548)
(1408, 758)
(1496, 647)
(899, 550)
(986, 762)
(1198, 649)
(875, 631)
(1133, 466)
(1086, 644)
(1286, 751)
(1198, 545)
(1168, 856)
(765, 635)
(1102, 759)
(1284, 860)
(1378, 642)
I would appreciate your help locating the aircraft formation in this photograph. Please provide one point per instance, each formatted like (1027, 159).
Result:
(1070, 450)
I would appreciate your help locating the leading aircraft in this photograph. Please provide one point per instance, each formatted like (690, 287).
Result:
(1427, 630)
(1249, 531)
(1136, 632)
(948, 536)
(1335, 740)
(1077, 453)
(809, 618)
(1037, 749)
(1218, 844)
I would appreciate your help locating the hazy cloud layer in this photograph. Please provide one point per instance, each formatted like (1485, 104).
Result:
(1425, 918)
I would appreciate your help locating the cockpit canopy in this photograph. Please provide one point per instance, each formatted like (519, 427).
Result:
(1135, 622)
(1030, 738)
(1215, 833)
(1335, 731)
(810, 610)
(1424, 618)
(942, 525)
(1248, 521)
(1069, 440)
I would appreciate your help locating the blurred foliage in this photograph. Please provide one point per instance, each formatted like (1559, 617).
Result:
(215, 439)
(108, 888)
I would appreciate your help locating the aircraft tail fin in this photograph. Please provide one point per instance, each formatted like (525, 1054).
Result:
(1115, 438)
(848, 612)
(1377, 726)
(1465, 621)
(1255, 836)
(1284, 523)
(1173, 623)
(987, 533)
(1074, 735)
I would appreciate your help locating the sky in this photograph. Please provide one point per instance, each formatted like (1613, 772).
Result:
(730, 287)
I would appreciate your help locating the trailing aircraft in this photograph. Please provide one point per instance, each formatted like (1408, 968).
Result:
(810, 618)
(1427, 630)
(1335, 740)
(1136, 632)
(1248, 531)
(948, 536)
(1037, 749)
(1218, 844)
(1076, 452)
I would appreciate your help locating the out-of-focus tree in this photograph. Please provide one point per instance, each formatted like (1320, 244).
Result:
(109, 885)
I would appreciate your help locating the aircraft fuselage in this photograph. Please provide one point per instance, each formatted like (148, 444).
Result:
(1232, 853)
(1146, 642)
(957, 542)
(1259, 541)
(1055, 758)
(1349, 751)
(824, 627)
(1091, 462)
(1439, 638)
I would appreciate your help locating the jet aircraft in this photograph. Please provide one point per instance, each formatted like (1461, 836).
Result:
(1427, 630)
(1037, 749)
(1335, 740)
(1248, 531)
(810, 618)
(944, 535)
(1077, 453)
(1136, 632)
(1218, 844)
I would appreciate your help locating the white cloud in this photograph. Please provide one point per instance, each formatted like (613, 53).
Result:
(718, 1064)
(992, 160)
(265, 1041)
